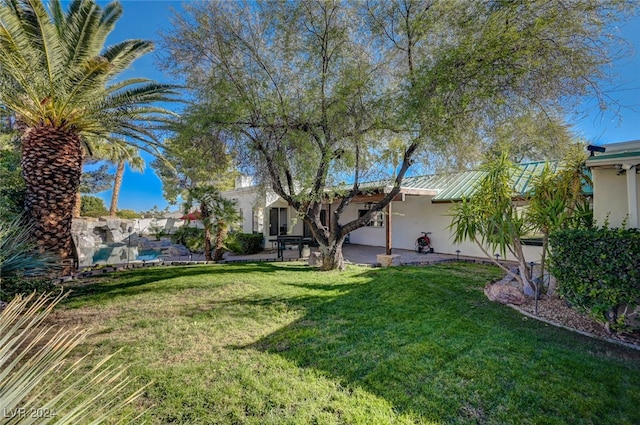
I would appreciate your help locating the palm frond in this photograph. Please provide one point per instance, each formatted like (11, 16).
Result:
(61, 69)
(123, 54)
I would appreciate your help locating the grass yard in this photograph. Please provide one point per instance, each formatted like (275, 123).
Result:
(282, 343)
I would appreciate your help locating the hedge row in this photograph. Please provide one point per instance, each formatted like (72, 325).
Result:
(598, 270)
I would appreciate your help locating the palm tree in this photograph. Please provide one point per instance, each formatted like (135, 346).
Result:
(217, 214)
(58, 79)
(119, 153)
(135, 163)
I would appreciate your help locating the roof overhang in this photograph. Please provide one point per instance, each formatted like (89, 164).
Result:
(412, 191)
(613, 159)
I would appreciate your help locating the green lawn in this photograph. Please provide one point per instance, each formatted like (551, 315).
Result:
(282, 343)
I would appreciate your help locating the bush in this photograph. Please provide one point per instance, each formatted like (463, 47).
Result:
(598, 270)
(128, 214)
(245, 243)
(190, 237)
(20, 284)
(92, 206)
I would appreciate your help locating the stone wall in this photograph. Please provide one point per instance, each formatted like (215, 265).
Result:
(91, 232)
(119, 240)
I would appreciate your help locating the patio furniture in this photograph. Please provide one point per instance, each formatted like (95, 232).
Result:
(284, 240)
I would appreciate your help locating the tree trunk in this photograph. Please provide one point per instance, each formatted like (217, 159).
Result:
(51, 167)
(332, 258)
(205, 217)
(77, 207)
(527, 287)
(207, 244)
(221, 234)
(117, 183)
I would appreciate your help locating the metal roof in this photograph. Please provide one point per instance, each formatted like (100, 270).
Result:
(454, 186)
(458, 185)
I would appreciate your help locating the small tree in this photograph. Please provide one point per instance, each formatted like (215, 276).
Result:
(496, 218)
(492, 219)
(217, 214)
(558, 200)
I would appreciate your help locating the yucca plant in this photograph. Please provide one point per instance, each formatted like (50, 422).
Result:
(38, 384)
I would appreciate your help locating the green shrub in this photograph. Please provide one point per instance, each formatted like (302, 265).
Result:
(245, 243)
(12, 186)
(20, 284)
(128, 214)
(92, 206)
(598, 270)
(191, 237)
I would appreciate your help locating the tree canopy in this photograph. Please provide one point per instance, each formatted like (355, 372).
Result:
(313, 93)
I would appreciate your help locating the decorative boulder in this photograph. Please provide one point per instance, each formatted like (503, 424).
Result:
(504, 294)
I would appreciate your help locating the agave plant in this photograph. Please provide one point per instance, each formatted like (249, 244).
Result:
(19, 254)
(39, 385)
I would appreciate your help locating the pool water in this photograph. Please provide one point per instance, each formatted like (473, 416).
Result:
(148, 255)
(119, 254)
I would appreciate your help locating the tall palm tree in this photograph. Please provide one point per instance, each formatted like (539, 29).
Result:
(130, 156)
(119, 153)
(58, 79)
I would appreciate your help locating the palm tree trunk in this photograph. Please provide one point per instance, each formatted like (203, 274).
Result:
(117, 183)
(221, 234)
(77, 207)
(51, 167)
(205, 216)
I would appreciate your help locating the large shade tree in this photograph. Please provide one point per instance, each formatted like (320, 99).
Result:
(314, 91)
(59, 79)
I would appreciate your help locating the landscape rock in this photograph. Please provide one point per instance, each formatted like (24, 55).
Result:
(504, 294)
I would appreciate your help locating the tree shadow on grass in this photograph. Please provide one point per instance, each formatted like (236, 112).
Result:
(162, 280)
(428, 341)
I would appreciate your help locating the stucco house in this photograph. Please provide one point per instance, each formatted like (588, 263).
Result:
(423, 205)
(615, 172)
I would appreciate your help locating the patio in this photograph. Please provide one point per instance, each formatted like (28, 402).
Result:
(353, 253)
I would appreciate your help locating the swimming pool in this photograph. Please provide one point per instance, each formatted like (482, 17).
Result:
(116, 254)
(149, 255)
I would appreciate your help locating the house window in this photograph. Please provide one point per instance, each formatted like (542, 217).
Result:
(240, 225)
(278, 221)
(376, 221)
(258, 217)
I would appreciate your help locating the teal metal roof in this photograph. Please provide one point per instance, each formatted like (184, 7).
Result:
(450, 187)
(456, 186)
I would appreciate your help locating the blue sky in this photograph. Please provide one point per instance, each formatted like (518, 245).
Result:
(145, 18)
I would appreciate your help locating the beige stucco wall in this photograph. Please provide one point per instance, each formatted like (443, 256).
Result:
(417, 214)
(610, 201)
(410, 217)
